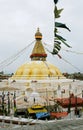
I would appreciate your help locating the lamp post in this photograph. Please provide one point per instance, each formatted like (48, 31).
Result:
(59, 90)
(76, 105)
(69, 105)
(82, 100)
(47, 97)
(55, 93)
(14, 99)
(62, 92)
(76, 101)
(82, 93)
(8, 103)
(3, 102)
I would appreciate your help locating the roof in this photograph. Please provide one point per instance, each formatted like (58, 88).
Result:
(72, 101)
(36, 109)
(59, 114)
(37, 70)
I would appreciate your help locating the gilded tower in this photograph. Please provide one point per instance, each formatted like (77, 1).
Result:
(38, 52)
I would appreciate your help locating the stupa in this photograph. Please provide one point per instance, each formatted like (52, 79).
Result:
(38, 75)
(38, 68)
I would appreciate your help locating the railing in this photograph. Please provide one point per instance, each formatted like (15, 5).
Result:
(14, 123)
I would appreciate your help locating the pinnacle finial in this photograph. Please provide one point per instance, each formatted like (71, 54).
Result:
(38, 29)
(38, 35)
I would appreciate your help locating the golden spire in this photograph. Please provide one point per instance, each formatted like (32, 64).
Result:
(38, 52)
(38, 35)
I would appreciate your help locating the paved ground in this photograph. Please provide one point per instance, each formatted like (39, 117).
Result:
(73, 124)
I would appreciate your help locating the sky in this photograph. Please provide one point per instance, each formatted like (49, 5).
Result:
(19, 20)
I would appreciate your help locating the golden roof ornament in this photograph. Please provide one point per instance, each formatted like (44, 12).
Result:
(38, 35)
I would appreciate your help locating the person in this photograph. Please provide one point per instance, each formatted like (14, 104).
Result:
(34, 100)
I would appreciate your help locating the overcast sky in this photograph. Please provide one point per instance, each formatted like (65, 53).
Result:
(19, 20)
